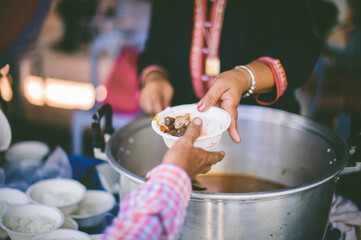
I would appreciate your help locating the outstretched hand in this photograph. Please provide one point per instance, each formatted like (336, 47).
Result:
(192, 160)
(226, 92)
(228, 87)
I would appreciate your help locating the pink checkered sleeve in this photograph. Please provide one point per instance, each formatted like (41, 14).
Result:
(156, 210)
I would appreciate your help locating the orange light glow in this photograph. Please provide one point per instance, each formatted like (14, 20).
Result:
(59, 93)
(101, 93)
(33, 90)
(69, 94)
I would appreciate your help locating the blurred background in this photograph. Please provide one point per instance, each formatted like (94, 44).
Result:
(65, 70)
(59, 77)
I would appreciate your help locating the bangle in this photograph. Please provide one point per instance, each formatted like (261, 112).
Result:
(253, 81)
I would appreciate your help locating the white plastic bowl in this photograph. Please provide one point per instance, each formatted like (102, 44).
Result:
(30, 211)
(109, 178)
(45, 192)
(69, 223)
(216, 116)
(10, 197)
(98, 203)
(5, 132)
(26, 153)
(13, 197)
(64, 234)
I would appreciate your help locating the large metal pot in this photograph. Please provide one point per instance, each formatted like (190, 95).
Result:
(277, 146)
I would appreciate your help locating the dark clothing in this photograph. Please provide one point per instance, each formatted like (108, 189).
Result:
(279, 29)
(20, 25)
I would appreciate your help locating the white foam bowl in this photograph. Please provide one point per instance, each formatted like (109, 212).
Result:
(64, 234)
(13, 197)
(10, 197)
(109, 178)
(69, 223)
(26, 153)
(30, 211)
(70, 191)
(93, 208)
(5, 132)
(215, 122)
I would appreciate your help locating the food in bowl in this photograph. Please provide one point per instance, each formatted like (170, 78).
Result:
(10, 197)
(27, 221)
(30, 224)
(92, 209)
(62, 193)
(55, 199)
(3, 205)
(176, 126)
(172, 123)
(27, 153)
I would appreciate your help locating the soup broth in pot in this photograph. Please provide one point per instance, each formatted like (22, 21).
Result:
(236, 183)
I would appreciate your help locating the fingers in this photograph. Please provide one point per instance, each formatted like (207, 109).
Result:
(194, 130)
(150, 104)
(167, 98)
(211, 159)
(233, 132)
(214, 157)
(157, 104)
(144, 103)
(155, 96)
(212, 96)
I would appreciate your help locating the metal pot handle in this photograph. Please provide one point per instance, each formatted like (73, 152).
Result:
(99, 142)
(354, 141)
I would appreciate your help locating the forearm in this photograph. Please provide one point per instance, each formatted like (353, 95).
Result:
(153, 73)
(155, 210)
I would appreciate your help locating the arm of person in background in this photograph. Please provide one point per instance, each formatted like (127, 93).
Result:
(293, 52)
(156, 210)
(156, 91)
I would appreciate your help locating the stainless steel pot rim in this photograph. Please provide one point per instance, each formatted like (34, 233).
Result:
(256, 113)
(241, 196)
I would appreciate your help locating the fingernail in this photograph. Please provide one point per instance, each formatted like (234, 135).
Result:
(197, 121)
(201, 107)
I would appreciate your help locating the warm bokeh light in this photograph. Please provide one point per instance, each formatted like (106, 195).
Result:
(69, 94)
(101, 93)
(5, 89)
(34, 89)
(59, 93)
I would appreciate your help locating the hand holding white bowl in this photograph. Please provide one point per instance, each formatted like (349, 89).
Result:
(215, 122)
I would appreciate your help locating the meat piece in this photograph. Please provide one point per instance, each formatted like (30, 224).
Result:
(168, 121)
(182, 131)
(176, 126)
(182, 121)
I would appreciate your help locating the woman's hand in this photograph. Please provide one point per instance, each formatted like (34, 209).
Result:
(192, 160)
(156, 93)
(228, 87)
(226, 92)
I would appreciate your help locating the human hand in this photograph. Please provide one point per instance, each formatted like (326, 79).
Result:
(192, 160)
(226, 92)
(156, 93)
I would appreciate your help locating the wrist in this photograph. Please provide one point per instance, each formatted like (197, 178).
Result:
(248, 80)
(154, 76)
(152, 72)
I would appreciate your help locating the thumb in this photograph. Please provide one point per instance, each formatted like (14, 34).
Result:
(194, 130)
(212, 96)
